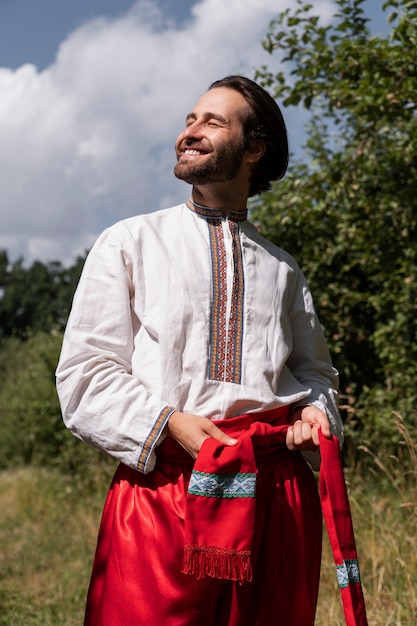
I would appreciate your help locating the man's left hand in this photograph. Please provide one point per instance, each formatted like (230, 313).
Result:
(303, 433)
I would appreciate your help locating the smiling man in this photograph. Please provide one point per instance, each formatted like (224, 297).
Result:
(194, 356)
(216, 155)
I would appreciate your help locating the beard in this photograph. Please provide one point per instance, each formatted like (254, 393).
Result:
(219, 167)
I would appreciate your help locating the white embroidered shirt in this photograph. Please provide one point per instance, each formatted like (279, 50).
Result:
(184, 309)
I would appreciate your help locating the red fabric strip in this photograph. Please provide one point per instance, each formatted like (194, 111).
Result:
(338, 520)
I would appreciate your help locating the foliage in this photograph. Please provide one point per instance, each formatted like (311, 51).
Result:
(35, 298)
(31, 427)
(29, 409)
(349, 214)
(34, 307)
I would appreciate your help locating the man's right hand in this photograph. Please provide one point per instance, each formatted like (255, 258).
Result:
(190, 431)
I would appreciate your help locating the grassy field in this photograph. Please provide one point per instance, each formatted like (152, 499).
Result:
(47, 537)
(49, 522)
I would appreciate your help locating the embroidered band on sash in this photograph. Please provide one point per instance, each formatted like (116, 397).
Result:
(348, 572)
(241, 485)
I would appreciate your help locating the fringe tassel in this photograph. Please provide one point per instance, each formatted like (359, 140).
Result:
(200, 561)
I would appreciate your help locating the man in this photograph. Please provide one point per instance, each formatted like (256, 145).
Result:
(194, 356)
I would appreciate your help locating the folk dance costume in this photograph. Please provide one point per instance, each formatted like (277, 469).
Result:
(186, 310)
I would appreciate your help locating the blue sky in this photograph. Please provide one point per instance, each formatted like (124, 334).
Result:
(32, 30)
(92, 96)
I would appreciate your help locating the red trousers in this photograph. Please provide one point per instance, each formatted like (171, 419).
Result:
(137, 578)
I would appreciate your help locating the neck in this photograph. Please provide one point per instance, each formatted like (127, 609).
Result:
(225, 199)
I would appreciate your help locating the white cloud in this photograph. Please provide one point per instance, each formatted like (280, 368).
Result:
(89, 140)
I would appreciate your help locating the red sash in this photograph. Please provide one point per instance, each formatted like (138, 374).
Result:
(338, 519)
(220, 507)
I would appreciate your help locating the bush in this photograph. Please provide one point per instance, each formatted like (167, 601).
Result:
(31, 427)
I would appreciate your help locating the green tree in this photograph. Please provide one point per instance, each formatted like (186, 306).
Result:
(31, 428)
(349, 214)
(35, 298)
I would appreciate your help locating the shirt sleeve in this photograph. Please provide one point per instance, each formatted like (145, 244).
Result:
(102, 402)
(310, 361)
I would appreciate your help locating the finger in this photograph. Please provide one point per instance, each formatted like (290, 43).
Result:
(306, 432)
(216, 433)
(301, 432)
(323, 423)
(305, 436)
(313, 415)
(310, 436)
(315, 434)
(289, 439)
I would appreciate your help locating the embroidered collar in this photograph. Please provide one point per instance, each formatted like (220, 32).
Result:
(209, 213)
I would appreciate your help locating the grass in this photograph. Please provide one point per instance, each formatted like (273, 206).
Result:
(383, 500)
(386, 536)
(48, 529)
(49, 523)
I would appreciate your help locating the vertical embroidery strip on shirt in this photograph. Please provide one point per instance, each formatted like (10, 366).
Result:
(235, 334)
(225, 360)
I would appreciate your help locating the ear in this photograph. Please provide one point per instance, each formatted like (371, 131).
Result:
(255, 151)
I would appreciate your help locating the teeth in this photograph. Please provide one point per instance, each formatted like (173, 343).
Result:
(191, 152)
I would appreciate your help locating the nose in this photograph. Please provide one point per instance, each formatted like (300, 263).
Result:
(193, 130)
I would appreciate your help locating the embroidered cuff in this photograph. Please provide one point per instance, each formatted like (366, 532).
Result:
(153, 437)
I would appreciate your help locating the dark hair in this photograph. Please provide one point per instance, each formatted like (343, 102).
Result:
(264, 121)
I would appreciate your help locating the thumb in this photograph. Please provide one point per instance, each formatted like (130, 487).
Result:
(325, 427)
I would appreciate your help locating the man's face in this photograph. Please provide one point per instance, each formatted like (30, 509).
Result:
(211, 147)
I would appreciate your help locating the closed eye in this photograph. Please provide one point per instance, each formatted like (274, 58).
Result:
(211, 119)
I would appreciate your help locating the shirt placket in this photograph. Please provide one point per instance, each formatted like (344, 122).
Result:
(226, 328)
(229, 244)
(234, 309)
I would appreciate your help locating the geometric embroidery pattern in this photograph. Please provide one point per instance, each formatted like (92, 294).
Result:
(225, 359)
(222, 485)
(210, 213)
(218, 311)
(235, 330)
(348, 572)
(153, 437)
